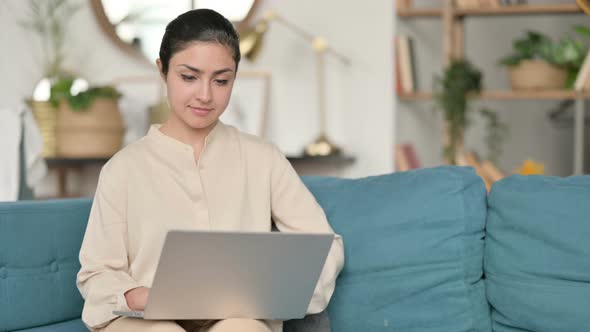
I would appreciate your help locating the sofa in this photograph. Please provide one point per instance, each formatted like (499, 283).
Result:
(426, 250)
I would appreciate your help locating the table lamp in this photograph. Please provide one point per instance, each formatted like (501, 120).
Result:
(250, 46)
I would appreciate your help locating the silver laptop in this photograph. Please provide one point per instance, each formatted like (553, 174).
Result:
(220, 275)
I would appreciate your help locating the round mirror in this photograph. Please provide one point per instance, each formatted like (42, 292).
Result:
(137, 26)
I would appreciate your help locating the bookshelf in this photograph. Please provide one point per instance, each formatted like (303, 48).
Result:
(453, 30)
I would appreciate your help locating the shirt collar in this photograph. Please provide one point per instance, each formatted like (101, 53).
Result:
(173, 148)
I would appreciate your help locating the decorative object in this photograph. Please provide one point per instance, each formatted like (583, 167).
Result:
(531, 167)
(46, 117)
(585, 5)
(89, 124)
(452, 90)
(540, 63)
(96, 132)
(48, 19)
(250, 46)
(250, 102)
(537, 75)
(137, 26)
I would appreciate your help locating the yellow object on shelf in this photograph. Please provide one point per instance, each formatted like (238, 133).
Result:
(531, 167)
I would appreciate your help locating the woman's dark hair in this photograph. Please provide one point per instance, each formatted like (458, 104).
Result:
(198, 25)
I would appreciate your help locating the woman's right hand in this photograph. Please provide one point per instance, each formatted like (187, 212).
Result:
(137, 298)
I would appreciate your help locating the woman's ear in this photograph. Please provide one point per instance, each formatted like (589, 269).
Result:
(159, 64)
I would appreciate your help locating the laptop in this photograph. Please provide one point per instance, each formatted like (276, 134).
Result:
(221, 275)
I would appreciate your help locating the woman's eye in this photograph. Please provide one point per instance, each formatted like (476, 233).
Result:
(188, 78)
(221, 82)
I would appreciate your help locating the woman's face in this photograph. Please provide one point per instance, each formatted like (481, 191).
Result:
(199, 83)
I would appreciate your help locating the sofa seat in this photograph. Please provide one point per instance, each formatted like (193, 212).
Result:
(74, 325)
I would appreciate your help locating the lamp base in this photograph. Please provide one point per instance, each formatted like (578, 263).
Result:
(322, 147)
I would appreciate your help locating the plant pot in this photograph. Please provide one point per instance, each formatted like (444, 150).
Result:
(537, 75)
(46, 117)
(96, 132)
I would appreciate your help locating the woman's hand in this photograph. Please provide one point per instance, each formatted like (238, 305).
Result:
(137, 298)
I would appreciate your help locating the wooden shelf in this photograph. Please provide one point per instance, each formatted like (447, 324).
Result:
(55, 162)
(336, 159)
(490, 11)
(506, 95)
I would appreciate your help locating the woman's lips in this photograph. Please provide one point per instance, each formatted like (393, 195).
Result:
(200, 111)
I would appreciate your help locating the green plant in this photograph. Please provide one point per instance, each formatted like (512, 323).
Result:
(451, 93)
(496, 133)
(48, 19)
(567, 53)
(61, 91)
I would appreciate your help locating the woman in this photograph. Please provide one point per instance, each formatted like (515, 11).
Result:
(193, 172)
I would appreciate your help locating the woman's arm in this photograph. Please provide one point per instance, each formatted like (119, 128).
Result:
(294, 209)
(103, 278)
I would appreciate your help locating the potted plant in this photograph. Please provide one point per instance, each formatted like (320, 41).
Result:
(48, 19)
(451, 92)
(540, 63)
(89, 123)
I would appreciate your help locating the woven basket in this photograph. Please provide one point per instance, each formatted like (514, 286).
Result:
(537, 75)
(93, 133)
(46, 116)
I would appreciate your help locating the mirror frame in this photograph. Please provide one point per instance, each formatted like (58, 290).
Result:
(108, 28)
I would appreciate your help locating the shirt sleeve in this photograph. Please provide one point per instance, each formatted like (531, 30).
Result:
(294, 209)
(103, 278)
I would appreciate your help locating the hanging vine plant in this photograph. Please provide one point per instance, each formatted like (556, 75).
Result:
(451, 92)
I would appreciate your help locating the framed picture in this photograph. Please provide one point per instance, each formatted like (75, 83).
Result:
(249, 105)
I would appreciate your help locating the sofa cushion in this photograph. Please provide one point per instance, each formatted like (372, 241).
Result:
(537, 257)
(39, 244)
(74, 325)
(311, 323)
(413, 248)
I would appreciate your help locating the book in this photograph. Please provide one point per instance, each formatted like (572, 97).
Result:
(583, 78)
(403, 4)
(404, 59)
(399, 90)
(406, 158)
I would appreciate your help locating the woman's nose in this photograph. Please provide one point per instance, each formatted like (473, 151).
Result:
(203, 93)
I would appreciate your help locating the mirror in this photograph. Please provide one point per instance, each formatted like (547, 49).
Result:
(137, 26)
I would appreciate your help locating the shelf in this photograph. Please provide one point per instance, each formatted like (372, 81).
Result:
(61, 162)
(336, 159)
(506, 95)
(54, 162)
(490, 11)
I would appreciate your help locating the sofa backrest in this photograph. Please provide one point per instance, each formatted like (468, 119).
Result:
(39, 245)
(537, 256)
(413, 249)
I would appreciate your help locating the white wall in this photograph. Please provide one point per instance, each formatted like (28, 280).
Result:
(359, 98)
(487, 39)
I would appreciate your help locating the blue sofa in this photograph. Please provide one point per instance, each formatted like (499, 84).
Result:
(418, 245)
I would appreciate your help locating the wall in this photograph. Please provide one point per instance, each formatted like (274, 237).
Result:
(359, 97)
(531, 133)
